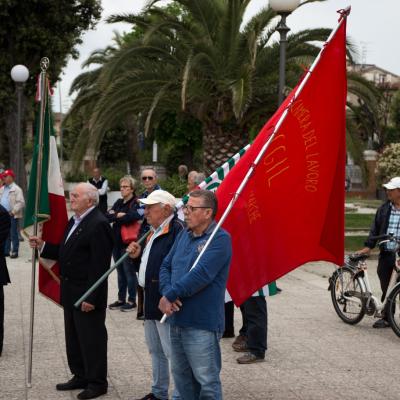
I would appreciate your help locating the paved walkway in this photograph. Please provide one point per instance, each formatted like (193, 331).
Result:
(312, 355)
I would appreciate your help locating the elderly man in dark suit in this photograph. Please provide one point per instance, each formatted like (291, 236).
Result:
(83, 255)
(5, 224)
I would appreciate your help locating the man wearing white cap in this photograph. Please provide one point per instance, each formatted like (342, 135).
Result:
(387, 221)
(160, 215)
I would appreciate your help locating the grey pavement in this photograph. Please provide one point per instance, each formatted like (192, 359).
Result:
(311, 354)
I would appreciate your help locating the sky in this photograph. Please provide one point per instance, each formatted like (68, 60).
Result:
(373, 26)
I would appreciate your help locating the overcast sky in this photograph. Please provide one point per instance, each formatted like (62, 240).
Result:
(373, 25)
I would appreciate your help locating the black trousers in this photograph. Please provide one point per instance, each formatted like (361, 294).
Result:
(386, 263)
(255, 324)
(229, 313)
(1, 317)
(103, 204)
(86, 342)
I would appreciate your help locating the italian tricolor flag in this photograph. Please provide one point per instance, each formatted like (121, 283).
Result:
(52, 210)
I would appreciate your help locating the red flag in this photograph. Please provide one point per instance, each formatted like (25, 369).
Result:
(292, 209)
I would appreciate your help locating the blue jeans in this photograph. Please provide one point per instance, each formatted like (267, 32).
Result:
(127, 280)
(159, 345)
(12, 241)
(196, 363)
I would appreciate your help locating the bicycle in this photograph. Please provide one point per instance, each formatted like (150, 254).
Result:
(351, 292)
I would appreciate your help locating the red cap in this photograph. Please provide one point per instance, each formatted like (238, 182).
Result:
(8, 172)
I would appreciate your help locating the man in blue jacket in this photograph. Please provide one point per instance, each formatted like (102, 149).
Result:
(165, 227)
(194, 299)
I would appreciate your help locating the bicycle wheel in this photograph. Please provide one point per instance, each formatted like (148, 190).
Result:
(393, 310)
(346, 293)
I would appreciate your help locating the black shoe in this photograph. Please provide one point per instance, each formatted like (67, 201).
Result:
(14, 255)
(381, 323)
(116, 305)
(128, 307)
(149, 396)
(7, 255)
(278, 290)
(91, 393)
(72, 384)
(140, 317)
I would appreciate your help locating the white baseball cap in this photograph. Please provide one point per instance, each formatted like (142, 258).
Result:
(394, 183)
(159, 196)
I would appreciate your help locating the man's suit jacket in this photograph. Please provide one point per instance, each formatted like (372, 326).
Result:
(83, 258)
(4, 231)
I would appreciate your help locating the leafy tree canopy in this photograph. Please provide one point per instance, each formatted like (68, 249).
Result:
(30, 30)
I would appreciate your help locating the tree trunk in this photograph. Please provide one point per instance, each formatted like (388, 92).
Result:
(219, 145)
(132, 127)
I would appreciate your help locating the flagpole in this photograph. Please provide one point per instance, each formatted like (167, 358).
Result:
(344, 14)
(108, 272)
(118, 262)
(44, 64)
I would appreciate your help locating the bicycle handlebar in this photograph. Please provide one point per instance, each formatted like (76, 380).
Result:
(385, 237)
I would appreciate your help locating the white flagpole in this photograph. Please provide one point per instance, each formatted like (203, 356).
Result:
(44, 64)
(264, 149)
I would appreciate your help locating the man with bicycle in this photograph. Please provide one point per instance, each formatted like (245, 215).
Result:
(387, 221)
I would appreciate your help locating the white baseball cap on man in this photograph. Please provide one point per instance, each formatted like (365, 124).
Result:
(159, 196)
(394, 183)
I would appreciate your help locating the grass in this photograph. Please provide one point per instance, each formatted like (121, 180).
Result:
(353, 243)
(358, 221)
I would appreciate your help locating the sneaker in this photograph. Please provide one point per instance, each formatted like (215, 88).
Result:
(249, 358)
(381, 323)
(128, 307)
(116, 305)
(14, 255)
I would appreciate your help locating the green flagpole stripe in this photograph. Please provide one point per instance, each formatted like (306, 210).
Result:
(220, 173)
(212, 186)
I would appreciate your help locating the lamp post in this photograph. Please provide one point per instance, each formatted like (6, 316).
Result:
(19, 74)
(283, 8)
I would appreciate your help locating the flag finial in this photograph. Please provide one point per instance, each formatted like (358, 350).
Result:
(44, 64)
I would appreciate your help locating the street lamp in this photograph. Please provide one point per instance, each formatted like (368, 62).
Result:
(19, 74)
(283, 8)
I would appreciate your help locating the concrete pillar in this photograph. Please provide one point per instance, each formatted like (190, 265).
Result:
(370, 157)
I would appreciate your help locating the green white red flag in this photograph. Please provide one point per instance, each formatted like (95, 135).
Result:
(291, 211)
(52, 210)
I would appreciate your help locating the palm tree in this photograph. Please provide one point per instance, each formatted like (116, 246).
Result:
(205, 62)
(89, 88)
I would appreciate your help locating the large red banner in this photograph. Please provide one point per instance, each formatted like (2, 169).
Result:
(292, 209)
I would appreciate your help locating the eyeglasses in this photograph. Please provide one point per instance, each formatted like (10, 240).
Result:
(190, 209)
(148, 178)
